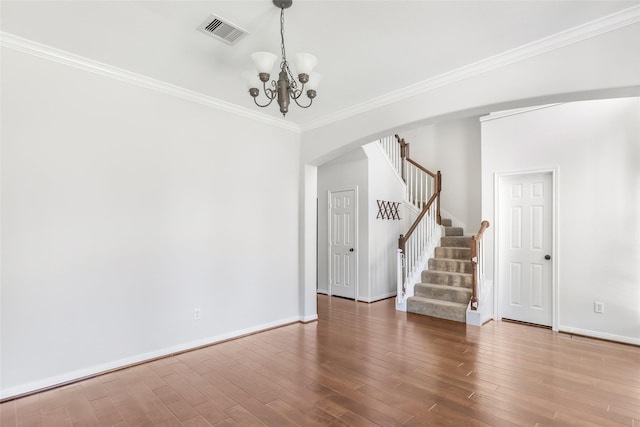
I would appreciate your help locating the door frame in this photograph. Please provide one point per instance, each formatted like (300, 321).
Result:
(356, 229)
(499, 179)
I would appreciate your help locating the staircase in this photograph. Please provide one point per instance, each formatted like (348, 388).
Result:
(446, 286)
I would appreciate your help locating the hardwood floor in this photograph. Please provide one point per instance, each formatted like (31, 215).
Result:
(361, 365)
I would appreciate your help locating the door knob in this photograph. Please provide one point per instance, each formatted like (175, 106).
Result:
(351, 250)
(547, 257)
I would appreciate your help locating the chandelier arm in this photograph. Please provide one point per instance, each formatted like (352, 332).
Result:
(270, 92)
(303, 106)
(262, 105)
(294, 92)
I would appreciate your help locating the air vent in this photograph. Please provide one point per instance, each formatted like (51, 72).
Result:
(218, 28)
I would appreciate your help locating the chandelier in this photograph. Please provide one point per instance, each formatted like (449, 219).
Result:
(286, 88)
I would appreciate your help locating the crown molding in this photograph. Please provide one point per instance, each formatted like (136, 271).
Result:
(30, 47)
(573, 35)
(515, 112)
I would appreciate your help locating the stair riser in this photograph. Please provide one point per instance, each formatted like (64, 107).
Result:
(453, 253)
(450, 265)
(455, 242)
(445, 222)
(444, 293)
(458, 314)
(443, 278)
(453, 231)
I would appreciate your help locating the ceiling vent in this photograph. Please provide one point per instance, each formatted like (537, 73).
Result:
(218, 28)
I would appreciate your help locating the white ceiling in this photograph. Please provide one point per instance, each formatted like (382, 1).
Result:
(366, 49)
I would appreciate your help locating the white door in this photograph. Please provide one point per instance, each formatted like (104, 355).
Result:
(524, 247)
(342, 243)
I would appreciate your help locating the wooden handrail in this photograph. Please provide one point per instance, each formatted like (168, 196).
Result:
(475, 243)
(483, 226)
(422, 168)
(404, 237)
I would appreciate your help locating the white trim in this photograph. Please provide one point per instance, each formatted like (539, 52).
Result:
(600, 335)
(379, 297)
(141, 358)
(507, 113)
(555, 291)
(307, 319)
(573, 35)
(29, 47)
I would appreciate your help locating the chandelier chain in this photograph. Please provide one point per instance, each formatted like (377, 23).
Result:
(284, 66)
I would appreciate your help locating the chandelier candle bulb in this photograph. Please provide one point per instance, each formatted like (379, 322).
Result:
(314, 81)
(305, 62)
(252, 80)
(264, 62)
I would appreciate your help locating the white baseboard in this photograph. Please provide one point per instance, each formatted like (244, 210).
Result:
(307, 319)
(600, 335)
(379, 297)
(81, 374)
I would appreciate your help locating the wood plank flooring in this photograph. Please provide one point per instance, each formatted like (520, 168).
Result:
(361, 365)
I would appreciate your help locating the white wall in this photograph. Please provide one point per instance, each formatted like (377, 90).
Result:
(123, 209)
(348, 172)
(384, 184)
(595, 148)
(452, 147)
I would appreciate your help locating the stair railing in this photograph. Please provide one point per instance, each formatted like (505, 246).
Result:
(423, 193)
(421, 183)
(477, 250)
(413, 247)
(395, 151)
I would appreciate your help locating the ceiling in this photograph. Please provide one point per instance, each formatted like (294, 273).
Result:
(365, 49)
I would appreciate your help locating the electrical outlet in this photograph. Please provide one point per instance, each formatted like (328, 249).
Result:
(197, 314)
(598, 307)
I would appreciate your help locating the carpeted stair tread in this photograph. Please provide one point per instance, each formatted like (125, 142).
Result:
(453, 253)
(453, 231)
(455, 241)
(447, 278)
(436, 308)
(445, 222)
(443, 292)
(450, 265)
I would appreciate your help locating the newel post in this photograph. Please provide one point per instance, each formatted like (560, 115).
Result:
(438, 190)
(404, 155)
(474, 272)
